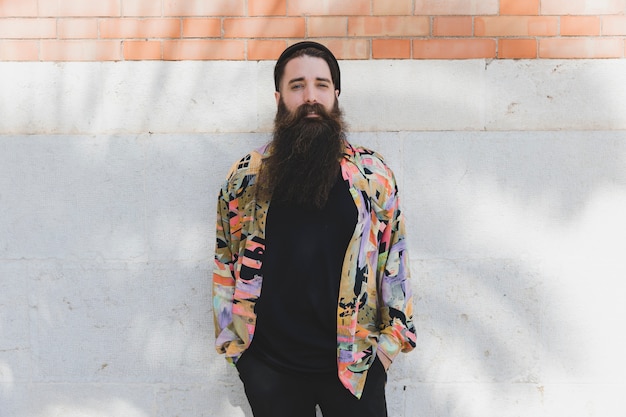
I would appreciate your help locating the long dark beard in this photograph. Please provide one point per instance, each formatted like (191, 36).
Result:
(304, 158)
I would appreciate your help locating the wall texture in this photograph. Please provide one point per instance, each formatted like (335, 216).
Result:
(114, 30)
(119, 120)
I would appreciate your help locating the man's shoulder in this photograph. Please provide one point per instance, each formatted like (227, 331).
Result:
(368, 158)
(247, 165)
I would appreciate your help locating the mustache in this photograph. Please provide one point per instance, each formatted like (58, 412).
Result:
(286, 119)
(306, 109)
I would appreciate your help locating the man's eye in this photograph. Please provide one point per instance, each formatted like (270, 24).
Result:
(296, 86)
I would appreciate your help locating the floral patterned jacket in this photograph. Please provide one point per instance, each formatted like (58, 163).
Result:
(375, 307)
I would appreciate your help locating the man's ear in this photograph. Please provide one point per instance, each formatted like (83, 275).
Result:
(336, 93)
(277, 97)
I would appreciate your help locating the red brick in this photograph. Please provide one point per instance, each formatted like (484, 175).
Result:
(517, 48)
(327, 26)
(142, 50)
(391, 48)
(18, 8)
(580, 48)
(392, 7)
(516, 26)
(79, 8)
(265, 49)
(54, 50)
(198, 27)
(328, 8)
(454, 48)
(267, 7)
(129, 28)
(389, 26)
(348, 48)
(19, 50)
(580, 26)
(456, 7)
(519, 7)
(78, 28)
(264, 27)
(203, 7)
(193, 49)
(614, 25)
(452, 26)
(18, 28)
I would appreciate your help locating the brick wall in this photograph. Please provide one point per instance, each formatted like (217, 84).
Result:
(115, 30)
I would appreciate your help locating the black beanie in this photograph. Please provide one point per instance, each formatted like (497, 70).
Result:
(328, 57)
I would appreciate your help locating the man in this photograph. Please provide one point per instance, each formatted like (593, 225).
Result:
(311, 292)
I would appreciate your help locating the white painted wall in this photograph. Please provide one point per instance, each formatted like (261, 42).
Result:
(513, 178)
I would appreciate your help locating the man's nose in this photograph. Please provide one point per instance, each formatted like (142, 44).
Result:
(309, 95)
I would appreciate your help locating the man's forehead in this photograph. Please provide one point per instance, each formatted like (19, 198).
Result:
(306, 67)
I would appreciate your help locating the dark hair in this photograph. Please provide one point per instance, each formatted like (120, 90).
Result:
(308, 48)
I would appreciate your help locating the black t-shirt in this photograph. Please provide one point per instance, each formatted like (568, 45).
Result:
(297, 311)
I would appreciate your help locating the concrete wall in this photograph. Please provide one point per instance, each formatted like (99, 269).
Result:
(513, 178)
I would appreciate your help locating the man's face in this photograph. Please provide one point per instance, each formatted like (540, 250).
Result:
(307, 79)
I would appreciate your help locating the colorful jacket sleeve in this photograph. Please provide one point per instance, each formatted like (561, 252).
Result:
(397, 332)
(234, 294)
(223, 276)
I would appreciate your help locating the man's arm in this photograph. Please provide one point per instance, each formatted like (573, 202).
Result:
(397, 333)
(223, 275)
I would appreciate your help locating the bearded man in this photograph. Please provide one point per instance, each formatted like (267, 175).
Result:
(311, 294)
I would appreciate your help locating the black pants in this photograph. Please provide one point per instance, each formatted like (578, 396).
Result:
(276, 394)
